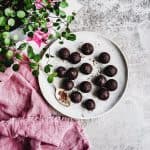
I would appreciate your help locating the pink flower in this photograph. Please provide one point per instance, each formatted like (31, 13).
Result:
(39, 3)
(39, 37)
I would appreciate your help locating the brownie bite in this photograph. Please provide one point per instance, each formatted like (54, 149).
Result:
(64, 53)
(110, 71)
(85, 87)
(87, 48)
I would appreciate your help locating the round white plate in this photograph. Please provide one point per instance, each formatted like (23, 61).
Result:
(101, 44)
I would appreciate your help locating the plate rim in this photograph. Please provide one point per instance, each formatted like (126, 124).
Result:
(125, 86)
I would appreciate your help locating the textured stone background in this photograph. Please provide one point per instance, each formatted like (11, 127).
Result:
(127, 125)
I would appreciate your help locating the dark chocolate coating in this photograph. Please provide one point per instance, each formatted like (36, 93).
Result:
(76, 97)
(89, 104)
(85, 87)
(100, 80)
(72, 73)
(61, 71)
(103, 94)
(111, 85)
(104, 58)
(110, 71)
(68, 85)
(86, 68)
(64, 53)
(87, 49)
(75, 58)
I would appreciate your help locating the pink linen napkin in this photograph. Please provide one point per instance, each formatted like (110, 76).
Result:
(28, 123)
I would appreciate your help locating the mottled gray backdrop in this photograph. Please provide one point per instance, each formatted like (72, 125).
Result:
(126, 22)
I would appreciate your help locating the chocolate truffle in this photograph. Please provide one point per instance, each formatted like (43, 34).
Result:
(87, 49)
(104, 58)
(110, 71)
(64, 53)
(72, 73)
(76, 97)
(61, 71)
(86, 68)
(68, 84)
(75, 58)
(85, 87)
(100, 80)
(111, 85)
(89, 104)
(103, 94)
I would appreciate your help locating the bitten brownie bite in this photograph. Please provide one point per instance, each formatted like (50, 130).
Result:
(100, 80)
(72, 73)
(68, 85)
(61, 71)
(111, 85)
(75, 58)
(103, 94)
(89, 104)
(87, 49)
(64, 53)
(110, 71)
(86, 68)
(104, 58)
(85, 87)
(76, 97)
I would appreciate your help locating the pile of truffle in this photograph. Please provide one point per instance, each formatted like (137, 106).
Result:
(104, 85)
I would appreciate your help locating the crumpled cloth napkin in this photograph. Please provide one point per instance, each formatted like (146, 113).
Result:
(26, 121)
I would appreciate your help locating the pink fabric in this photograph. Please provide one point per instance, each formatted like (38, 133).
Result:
(28, 123)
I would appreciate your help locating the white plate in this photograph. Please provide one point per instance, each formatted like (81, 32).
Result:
(101, 44)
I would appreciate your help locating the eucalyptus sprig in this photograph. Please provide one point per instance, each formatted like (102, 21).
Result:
(24, 14)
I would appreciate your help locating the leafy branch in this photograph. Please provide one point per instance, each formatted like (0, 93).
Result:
(15, 13)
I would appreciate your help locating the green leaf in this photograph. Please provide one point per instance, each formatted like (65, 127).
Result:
(6, 34)
(15, 67)
(71, 37)
(51, 36)
(62, 14)
(58, 35)
(70, 19)
(61, 42)
(64, 34)
(2, 68)
(9, 54)
(28, 4)
(55, 74)
(7, 41)
(51, 77)
(64, 4)
(35, 73)
(22, 46)
(55, 24)
(8, 11)
(36, 57)
(47, 55)
(30, 52)
(73, 13)
(21, 14)
(11, 22)
(33, 65)
(47, 68)
(30, 34)
(18, 56)
(2, 21)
